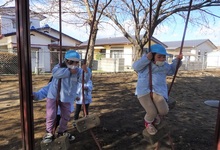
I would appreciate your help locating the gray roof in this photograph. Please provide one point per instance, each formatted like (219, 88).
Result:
(41, 29)
(117, 40)
(187, 43)
(32, 30)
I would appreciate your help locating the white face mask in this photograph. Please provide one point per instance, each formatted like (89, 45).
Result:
(160, 63)
(72, 66)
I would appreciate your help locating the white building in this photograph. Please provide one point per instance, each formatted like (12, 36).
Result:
(213, 59)
(114, 54)
(44, 40)
(194, 52)
(192, 49)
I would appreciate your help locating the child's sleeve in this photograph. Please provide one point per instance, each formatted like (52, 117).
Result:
(42, 93)
(173, 66)
(59, 72)
(141, 63)
(87, 75)
(79, 87)
(89, 85)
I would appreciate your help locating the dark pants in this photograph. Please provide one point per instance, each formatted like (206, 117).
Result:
(78, 109)
(58, 121)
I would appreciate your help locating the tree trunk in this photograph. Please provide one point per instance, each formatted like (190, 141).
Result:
(138, 52)
(91, 46)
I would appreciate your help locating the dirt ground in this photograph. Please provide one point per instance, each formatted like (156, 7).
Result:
(191, 122)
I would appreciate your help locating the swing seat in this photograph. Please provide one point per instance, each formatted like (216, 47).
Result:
(212, 103)
(60, 143)
(87, 122)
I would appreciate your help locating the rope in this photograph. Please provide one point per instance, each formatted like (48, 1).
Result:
(178, 63)
(217, 128)
(83, 75)
(60, 62)
(87, 49)
(149, 42)
(181, 48)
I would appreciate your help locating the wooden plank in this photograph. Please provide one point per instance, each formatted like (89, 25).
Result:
(60, 143)
(87, 122)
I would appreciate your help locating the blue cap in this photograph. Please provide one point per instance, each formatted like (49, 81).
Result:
(159, 49)
(72, 55)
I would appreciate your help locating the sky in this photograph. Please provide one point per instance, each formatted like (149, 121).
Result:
(175, 31)
(169, 32)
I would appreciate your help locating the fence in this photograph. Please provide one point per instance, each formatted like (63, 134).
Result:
(43, 62)
(8, 63)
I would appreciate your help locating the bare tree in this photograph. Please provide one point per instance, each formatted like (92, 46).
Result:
(79, 13)
(6, 3)
(127, 14)
(90, 5)
(2, 12)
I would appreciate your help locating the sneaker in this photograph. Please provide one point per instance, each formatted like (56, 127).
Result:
(48, 137)
(150, 128)
(74, 124)
(157, 120)
(71, 137)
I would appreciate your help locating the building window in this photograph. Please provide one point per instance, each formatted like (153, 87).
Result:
(117, 52)
(199, 55)
(103, 53)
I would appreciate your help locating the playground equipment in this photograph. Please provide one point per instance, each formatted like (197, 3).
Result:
(22, 12)
(87, 122)
(212, 103)
(163, 128)
(61, 143)
(83, 124)
(216, 104)
(25, 80)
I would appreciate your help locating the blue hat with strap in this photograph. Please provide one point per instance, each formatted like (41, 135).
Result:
(159, 49)
(72, 55)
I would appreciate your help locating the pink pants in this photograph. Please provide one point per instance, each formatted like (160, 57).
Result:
(51, 113)
(153, 108)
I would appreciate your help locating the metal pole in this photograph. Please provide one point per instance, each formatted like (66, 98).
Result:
(60, 33)
(25, 78)
(217, 129)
